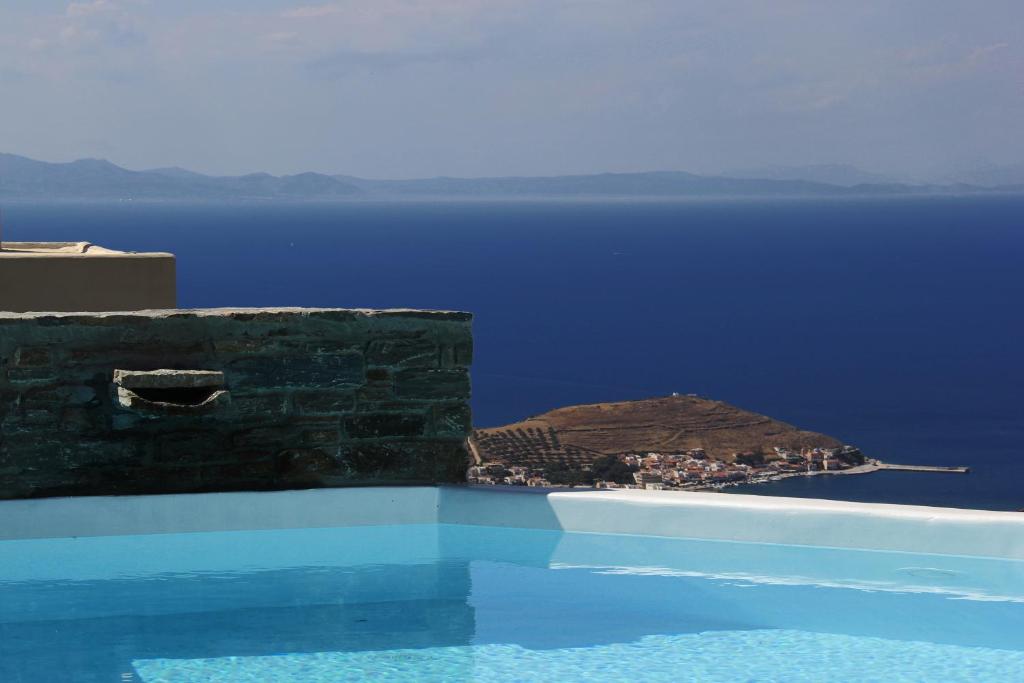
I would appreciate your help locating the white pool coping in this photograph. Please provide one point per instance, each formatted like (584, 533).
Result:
(717, 516)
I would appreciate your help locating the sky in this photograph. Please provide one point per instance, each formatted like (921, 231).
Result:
(415, 88)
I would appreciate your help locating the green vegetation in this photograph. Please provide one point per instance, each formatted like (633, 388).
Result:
(754, 459)
(611, 468)
(605, 468)
(564, 474)
(852, 456)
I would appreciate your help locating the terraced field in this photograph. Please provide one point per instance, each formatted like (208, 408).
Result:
(579, 434)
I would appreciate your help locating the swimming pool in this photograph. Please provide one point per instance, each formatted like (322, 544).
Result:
(430, 600)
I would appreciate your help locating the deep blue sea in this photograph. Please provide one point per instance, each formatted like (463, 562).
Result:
(896, 325)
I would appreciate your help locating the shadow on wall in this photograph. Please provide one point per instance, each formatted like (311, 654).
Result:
(513, 506)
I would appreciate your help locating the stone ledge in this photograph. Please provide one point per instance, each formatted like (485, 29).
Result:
(162, 379)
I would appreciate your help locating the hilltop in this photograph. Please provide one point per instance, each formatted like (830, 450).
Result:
(579, 435)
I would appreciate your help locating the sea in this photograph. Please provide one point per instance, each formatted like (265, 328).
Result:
(895, 324)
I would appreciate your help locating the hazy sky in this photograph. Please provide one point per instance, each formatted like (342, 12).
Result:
(408, 88)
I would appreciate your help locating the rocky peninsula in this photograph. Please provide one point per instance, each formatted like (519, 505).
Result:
(677, 441)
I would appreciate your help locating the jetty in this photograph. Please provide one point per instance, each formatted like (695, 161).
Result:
(877, 466)
(923, 468)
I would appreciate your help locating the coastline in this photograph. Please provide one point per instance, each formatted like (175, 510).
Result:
(866, 468)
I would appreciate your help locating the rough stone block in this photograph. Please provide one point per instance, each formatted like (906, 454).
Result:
(321, 437)
(382, 425)
(378, 374)
(189, 448)
(322, 371)
(452, 420)
(432, 384)
(259, 437)
(260, 406)
(323, 402)
(404, 352)
(306, 466)
(32, 356)
(406, 461)
(32, 376)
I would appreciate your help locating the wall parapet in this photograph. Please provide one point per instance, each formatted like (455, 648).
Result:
(231, 399)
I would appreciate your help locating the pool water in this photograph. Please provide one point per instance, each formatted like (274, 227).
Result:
(450, 603)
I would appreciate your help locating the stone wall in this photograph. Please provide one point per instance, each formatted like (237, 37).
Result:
(247, 399)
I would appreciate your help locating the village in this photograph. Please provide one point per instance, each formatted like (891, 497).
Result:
(691, 470)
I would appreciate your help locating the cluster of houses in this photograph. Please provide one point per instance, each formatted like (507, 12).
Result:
(689, 470)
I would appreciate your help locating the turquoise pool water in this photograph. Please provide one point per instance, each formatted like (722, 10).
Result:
(451, 603)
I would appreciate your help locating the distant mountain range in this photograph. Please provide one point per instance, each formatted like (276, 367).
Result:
(650, 184)
(98, 179)
(24, 178)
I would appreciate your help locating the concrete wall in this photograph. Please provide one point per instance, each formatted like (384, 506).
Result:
(63, 277)
(248, 399)
(747, 518)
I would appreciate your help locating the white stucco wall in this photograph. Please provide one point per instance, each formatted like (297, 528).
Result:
(671, 514)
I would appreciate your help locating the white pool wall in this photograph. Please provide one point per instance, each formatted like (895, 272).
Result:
(735, 517)
(713, 516)
(195, 512)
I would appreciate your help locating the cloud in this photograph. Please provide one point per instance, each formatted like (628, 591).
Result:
(395, 9)
(102, 40)
(283, 37)
(313, 11)
(982, 54)
(524, 86)
(85, 9)
(338, 37)
(103, 36)
(344, 62)
(949, 64)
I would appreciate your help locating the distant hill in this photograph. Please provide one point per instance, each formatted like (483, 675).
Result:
(843, 175)
(652, 184)
(21, 177)
(995, 176)
(580, 434)
(97, 179)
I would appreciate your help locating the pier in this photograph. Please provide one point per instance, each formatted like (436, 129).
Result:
(878, 466)
(923, 468)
